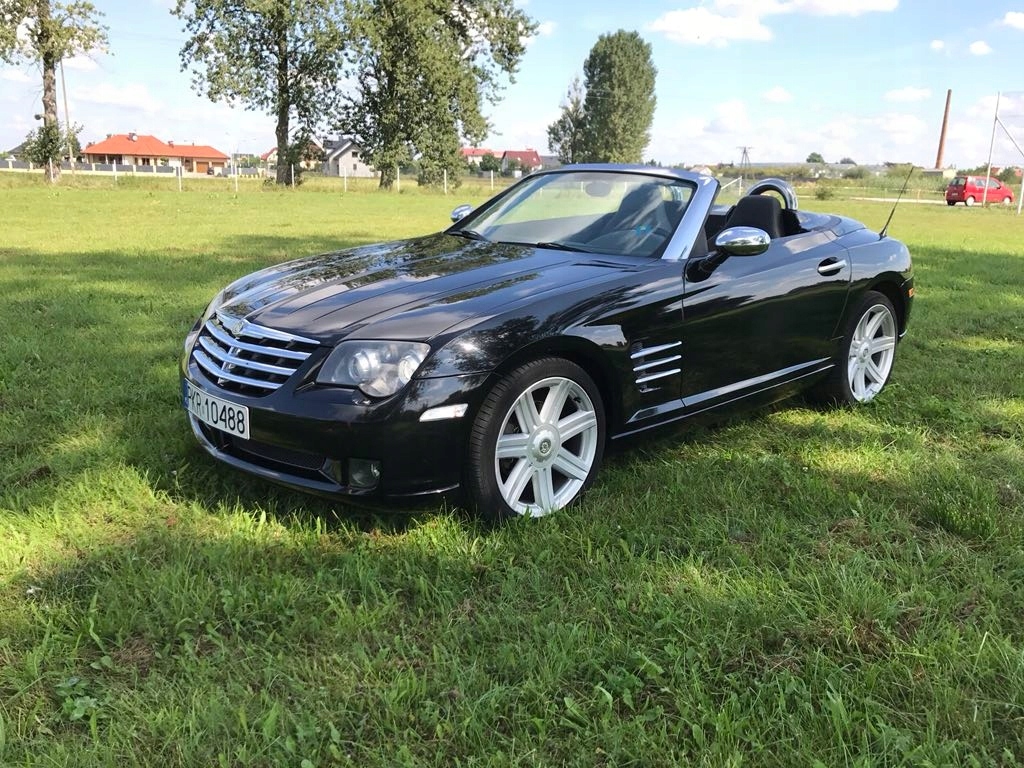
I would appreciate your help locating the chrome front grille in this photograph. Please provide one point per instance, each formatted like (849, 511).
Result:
(248, 358)
(652, 363)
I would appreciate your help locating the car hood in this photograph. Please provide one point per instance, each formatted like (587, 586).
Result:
(410, 289)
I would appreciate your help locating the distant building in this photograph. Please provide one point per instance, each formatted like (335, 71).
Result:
(473, 155)
(141, 149)
(343, 157)
(528, 160)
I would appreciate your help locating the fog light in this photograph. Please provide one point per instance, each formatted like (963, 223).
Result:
(363, 473)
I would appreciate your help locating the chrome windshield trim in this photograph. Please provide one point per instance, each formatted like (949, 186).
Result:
(241, 362)
(691, 227)
(229, 341)
(216, 371)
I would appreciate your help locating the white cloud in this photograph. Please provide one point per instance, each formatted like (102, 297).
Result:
(131, 96)
(722, 21)
(937, 45)
(841, 7)
(545, 28)
(14, 76)
(81, 63)
(699, 26)
(777, 95)
(980, 48)
(908, 94)
(1014, 19)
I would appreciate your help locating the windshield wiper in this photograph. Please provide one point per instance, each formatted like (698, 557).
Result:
(469, 234)
(556, 246)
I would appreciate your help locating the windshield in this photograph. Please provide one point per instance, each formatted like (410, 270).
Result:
(593, 211)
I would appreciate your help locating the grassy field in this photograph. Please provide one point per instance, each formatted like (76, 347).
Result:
(789, 587)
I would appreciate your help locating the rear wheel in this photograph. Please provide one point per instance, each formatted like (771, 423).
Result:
(951, 202)
(537, 441)
(867, 354)
(969, 201)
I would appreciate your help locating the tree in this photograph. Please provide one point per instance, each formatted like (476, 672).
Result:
(48, 144)
(48, 32)
(421, 72)
(283, 57)
(847, 161)
(490, 163)
(619, 103)
(815, 157)
(565, 135)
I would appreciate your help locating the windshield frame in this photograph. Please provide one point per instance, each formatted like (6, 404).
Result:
(676, 247)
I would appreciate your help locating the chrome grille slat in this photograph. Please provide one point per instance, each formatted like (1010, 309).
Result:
(226, 357)
(215, 370)
(228, 341)
(247, 358)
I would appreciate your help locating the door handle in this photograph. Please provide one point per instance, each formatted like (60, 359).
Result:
(831, 265)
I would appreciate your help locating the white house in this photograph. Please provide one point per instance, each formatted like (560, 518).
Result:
(342, 158)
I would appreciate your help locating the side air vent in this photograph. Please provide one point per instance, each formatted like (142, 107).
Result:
(652, 363)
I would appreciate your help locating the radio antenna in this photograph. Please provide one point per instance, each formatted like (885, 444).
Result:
(881, 235)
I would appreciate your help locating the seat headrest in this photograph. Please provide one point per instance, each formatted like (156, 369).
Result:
(761, 211)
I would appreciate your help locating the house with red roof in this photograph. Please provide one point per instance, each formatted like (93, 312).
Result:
(528, 159)
(140, 149)
(473, 155)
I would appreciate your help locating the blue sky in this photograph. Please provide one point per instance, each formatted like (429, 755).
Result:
(860, 78)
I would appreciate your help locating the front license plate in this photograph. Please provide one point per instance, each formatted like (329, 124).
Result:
(219, 414)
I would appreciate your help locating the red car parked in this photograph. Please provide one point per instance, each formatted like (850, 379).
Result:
(971, 189)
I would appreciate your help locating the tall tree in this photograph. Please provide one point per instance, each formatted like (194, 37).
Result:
(422, 71)
(283, 57)
(565, 135)
(48, 32)
(619, 105)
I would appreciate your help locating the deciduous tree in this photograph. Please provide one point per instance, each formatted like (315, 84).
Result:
(283, 57)
(421, 71)
(565, 135)
(619, 106)
(47, 32)
(815, 157)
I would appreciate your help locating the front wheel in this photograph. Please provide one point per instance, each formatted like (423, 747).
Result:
(1007, 201)
(867, 353)
(537, 441)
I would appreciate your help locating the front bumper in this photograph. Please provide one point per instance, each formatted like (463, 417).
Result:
(303, 437)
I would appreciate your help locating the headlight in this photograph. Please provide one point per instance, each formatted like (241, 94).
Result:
(378, 368)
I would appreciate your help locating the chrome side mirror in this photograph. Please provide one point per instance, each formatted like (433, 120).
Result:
(743, 241)
(461, 212)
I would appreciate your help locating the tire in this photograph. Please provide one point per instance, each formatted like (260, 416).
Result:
(1007, 201)
(951, 202)
(867, 353)
(969, 201)
(537, 441)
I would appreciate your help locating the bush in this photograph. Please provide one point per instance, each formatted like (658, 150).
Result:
(824, 191)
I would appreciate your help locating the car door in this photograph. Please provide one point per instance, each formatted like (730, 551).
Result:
(752, 322)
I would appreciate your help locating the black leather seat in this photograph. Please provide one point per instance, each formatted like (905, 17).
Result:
(642, 209)
(761, 211)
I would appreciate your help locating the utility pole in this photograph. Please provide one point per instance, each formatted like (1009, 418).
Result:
(745, 168)
(67, 117)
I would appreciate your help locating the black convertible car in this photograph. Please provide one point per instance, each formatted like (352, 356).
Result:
(496, 359)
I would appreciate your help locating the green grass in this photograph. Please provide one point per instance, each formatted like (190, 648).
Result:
(788, 587)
